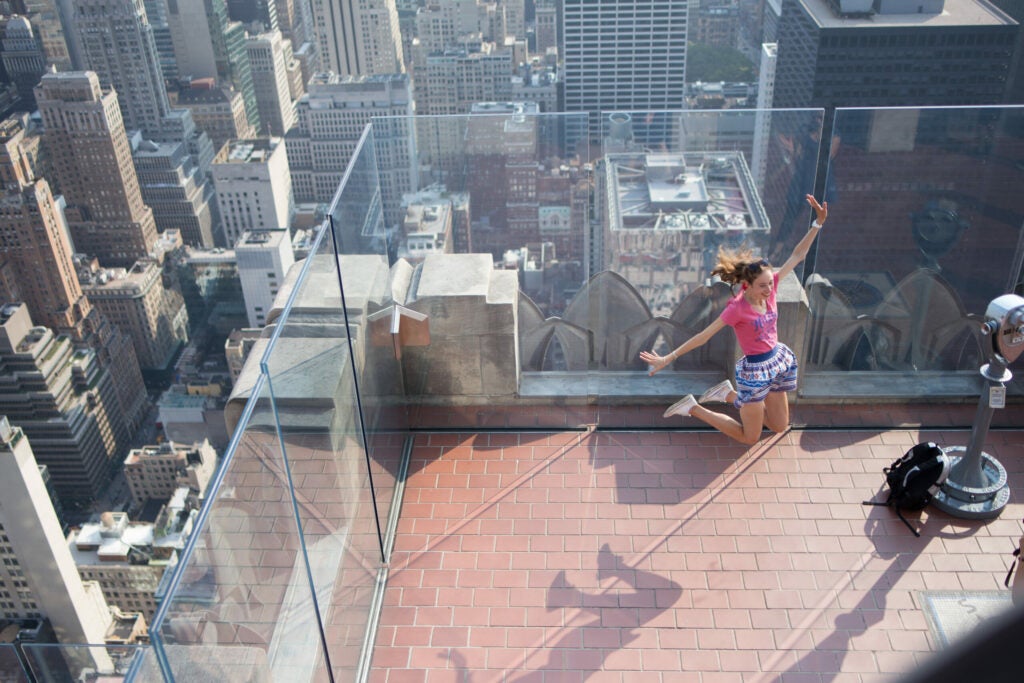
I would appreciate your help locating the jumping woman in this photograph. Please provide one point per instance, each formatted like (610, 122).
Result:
(768, 368)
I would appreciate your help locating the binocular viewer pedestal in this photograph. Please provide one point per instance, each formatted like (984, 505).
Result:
(977, 486)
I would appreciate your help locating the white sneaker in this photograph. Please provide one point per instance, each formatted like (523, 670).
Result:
(717, 393)
(682, 407)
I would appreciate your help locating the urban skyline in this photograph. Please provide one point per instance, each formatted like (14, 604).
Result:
(166, 165)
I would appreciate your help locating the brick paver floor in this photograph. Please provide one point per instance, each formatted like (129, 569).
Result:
(673, 557)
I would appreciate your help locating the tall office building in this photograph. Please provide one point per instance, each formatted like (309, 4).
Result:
(156, 15)
(34, 239)
(137, 301)
(358, 38)
(261, 13)
(64, 401)
(331, 119)
(295, 20)
(269, 63)
(118, 44)
(623, 55)
(450, 82)
(254, 187)
(219, 111)
(32, 235)
(50, 21)
(451, 23)
(174, 188)
(293, 68)
(515, 17)
(1015, 84)
(763, 116)
(716, 22)
(93, 167)
(892, 53)
(545, 25)
(207, 44)
(263, 260)
(23, 58)
(38, 577)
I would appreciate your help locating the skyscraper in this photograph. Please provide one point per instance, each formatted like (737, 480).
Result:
(49, 20)
(207, 44)
(254, 187)
(546, 22)
(940, 52)
(331, 118)
(118, 44)
(358, 38)
(93, 167)
(137, 301)
(38, 575)
(156, 15)
(34, 240)
(23, 59)
(624, 55)
(262, 12)
(218, 110)
(64, 401)
(175, 189)
(270, 82)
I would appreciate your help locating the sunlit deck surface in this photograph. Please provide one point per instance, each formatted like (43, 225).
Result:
(676, 556)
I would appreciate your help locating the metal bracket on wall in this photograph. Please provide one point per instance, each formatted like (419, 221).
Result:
(400, 327)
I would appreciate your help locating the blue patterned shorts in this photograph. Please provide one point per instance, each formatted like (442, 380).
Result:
(758, 375)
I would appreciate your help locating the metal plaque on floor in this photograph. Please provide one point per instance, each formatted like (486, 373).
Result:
(953, 614)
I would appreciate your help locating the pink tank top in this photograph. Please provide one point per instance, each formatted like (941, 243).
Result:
(756, 333)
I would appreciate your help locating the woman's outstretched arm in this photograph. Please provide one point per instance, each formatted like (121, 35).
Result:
(801, 249)
(659, 363)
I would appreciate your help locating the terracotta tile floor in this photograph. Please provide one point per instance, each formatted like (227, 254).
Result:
(672, 557)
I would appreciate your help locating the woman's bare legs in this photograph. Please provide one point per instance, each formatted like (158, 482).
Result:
(752, 415)
(776, 411)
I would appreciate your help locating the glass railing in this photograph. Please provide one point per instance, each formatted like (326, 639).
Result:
(926, 231)
(504, 270)
(240, 604)
(85, 663)
(11, 667)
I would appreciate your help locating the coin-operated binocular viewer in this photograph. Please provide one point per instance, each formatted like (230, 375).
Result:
(977, 486)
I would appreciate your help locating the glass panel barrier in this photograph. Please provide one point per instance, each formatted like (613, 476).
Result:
(925, 229)
(239, 607)
(508, 190)
(81, 663)
(314, 391)
(369, 197)
(672, 189)
(11, 668)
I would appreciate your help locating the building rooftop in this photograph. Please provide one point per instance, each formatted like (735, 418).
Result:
(133, 281)
(215, 255)
(693, 191)
(252, 151)
(193, 96)
(954, 13)
(261, 239)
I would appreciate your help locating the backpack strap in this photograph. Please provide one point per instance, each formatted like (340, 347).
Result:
(1013, 565)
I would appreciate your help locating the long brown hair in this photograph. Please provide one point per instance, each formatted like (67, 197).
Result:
(739, 265)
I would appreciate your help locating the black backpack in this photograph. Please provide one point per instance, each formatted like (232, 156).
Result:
(914, 479)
